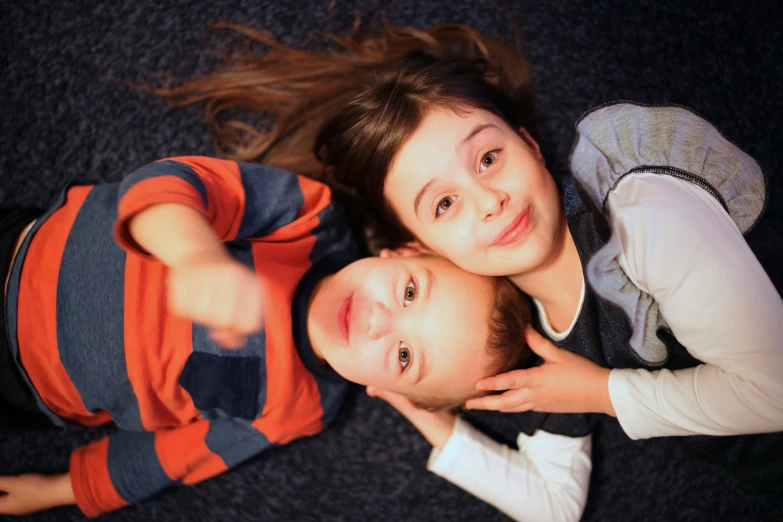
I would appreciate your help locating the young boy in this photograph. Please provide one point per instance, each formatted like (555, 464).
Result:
(227, 323)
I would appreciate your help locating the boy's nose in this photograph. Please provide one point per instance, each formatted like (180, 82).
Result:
(378, 321)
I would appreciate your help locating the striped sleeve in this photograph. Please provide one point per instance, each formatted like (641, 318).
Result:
(239, 200)
(128, 467)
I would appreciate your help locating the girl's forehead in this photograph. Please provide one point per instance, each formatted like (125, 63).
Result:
(435, 152)
(444, 132)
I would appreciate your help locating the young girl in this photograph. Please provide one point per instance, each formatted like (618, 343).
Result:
(658, 278)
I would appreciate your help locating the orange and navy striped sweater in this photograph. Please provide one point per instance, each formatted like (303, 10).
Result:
(89, 327)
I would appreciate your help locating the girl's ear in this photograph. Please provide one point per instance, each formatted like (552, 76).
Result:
(412, 249)
(533, 144)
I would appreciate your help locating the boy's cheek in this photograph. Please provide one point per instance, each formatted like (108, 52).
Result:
(360, 374)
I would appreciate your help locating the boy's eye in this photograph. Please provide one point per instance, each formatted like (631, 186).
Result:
(488, 160)
(404, 355)
(443, 205)
(410, 293)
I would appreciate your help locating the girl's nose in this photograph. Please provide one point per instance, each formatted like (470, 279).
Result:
(489, 202)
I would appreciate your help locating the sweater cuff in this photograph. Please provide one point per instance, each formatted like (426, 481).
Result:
(92, 486)
(624, 403)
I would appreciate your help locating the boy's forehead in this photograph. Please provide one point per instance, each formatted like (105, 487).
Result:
(441, 265)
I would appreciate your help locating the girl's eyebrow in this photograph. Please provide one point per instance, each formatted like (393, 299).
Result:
(473, 133)
(420, 195)
(477, 129)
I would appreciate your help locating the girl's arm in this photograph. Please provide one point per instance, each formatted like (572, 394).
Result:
(681, 247)
(546, 479)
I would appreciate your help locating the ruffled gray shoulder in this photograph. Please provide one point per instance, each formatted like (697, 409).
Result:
(621, 138)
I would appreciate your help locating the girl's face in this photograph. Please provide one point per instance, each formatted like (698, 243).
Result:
(416, 325)
(476, 191)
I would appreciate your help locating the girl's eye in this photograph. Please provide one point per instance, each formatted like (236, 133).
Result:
(488, 160)
(411, 291)
(404, 355)
(443, 205)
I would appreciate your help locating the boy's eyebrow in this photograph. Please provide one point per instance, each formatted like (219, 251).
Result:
(422, 370)
(430, 282)
(422, 367)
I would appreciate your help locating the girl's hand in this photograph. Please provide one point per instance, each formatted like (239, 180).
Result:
(436, 426)
(25, 494)
(565, 383)
(219, 292)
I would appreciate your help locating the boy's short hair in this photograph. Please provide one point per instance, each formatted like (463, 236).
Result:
(509, 316)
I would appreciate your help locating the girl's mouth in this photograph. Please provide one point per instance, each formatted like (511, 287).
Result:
(515, 230)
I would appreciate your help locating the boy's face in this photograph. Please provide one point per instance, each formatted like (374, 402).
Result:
(415, 325)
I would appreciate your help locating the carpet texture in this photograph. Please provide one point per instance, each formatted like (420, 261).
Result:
(69, 113)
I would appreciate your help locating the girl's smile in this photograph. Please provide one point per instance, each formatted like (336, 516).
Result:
(515, 231)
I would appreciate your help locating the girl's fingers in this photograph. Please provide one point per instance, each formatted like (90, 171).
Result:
(540, 345)
(505, 401)
(518, 409)
(505, 381)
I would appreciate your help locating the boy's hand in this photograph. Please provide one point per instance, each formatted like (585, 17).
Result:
(565, 383)
(436, 426)
(25, 494)
(220, 293)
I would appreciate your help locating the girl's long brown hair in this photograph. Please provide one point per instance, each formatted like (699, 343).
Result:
(340, 115)
(301, 89)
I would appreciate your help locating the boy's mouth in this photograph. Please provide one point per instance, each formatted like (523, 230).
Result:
(344, 317)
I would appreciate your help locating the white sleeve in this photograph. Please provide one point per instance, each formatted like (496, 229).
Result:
(681, 247)
(547, 479)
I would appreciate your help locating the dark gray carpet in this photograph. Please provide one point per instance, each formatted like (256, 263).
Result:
(65, 116)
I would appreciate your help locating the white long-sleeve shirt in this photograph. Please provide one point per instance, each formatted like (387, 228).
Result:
(547, 479)
(680, 246)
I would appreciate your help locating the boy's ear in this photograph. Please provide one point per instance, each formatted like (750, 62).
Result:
(412, 249)
(533, 144)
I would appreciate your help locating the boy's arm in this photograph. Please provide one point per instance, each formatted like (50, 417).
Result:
(128, 467)
(681, 247)
(204, 283)
(237, 200)
(176, 234)
(28, 493)
(182, 211)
